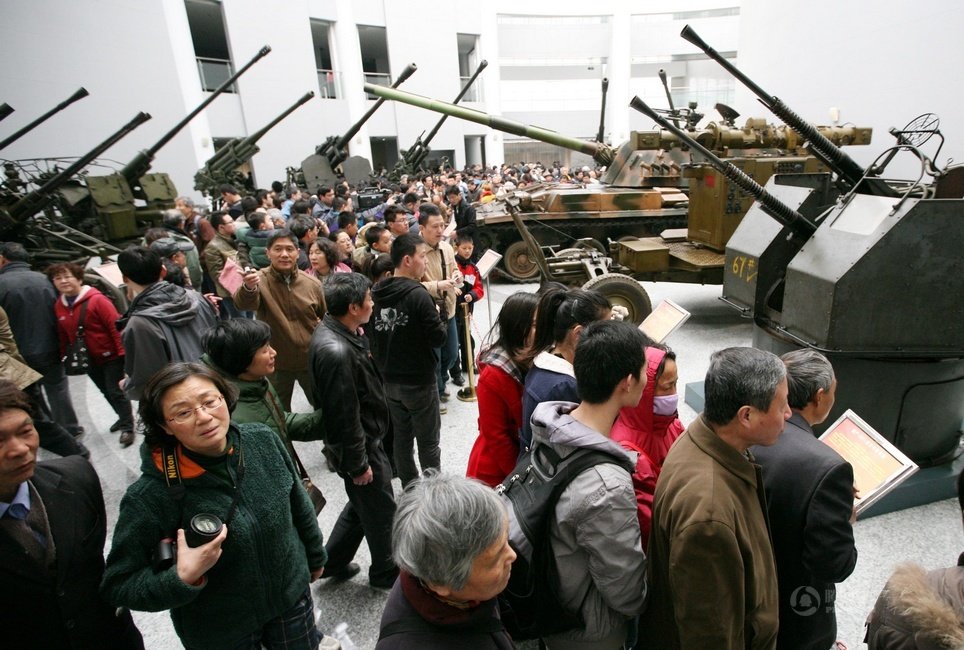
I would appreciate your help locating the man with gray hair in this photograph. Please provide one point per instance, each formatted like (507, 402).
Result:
(451, 541)
(709, 517)
(810, 498)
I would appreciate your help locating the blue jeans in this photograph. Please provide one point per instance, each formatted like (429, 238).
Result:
(294, 629)
(448, 354)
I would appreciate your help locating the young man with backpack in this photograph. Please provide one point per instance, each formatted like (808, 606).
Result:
(596, 569)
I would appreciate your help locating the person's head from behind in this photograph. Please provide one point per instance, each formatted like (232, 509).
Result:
(562, 315)
(258, 221)
(12, 251)
(409, 256)
(67, 278)
(381, 268)
(746, 396)
(140, 265)
(18, 439)
(452, 533)
(173, 220)
(514, 324)
(432, 224)
(304, 228)
(610, 363)
(811, 384)
(300, 207)
(464, 246)
(282, 251)
(241, 347)
(323, 256)
(348, 297)
(188, 403)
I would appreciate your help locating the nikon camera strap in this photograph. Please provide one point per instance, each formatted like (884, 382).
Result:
(175, 485)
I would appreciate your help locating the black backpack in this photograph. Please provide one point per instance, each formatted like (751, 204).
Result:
(530, 607)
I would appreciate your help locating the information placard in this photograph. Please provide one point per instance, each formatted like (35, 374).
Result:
(663, 320)
(487, 262)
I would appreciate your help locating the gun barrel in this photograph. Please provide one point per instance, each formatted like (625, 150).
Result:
(837, 159)
(421, 146)
(79, 94)
(600, 152)
(137, 167)
(346, 138)
(770, 204)
(5, 110)
(602, 111)
(26, 206)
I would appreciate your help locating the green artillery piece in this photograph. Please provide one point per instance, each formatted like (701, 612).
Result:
(110, 213)
(414, 156)
(319, 168)
(223, 166)
(42, 232)
(79, 94)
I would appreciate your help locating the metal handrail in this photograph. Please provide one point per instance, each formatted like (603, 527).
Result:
(328, 84)
(215, 64)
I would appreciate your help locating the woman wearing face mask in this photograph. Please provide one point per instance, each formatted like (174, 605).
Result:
(653, 426)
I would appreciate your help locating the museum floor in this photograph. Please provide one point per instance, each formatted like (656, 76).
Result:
(930, 535)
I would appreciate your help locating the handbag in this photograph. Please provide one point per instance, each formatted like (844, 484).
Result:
(77, 359)
(318, 499)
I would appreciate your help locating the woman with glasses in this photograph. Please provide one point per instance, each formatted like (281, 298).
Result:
(228, 501)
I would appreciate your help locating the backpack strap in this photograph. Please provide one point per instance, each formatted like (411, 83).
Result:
(418, 625)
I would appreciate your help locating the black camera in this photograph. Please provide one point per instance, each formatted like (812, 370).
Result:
(201, 530)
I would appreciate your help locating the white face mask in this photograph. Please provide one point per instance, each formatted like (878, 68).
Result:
(665, 404)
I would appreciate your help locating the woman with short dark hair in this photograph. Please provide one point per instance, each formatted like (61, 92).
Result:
(240, 578)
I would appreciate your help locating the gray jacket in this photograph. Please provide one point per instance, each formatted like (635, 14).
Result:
(595, 531)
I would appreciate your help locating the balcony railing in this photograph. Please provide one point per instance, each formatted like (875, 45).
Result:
(328, 84)
(214, 72)
(475, 92)
(379, 78)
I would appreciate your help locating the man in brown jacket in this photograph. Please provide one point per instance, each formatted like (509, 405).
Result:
(713, 576)
(292, 303)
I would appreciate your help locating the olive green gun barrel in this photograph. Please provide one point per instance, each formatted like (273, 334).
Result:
(240, 149)
(601, 153)
(602, 111)
(768, 203)
(33, 202)
(5, 110)
(78, 95)
(835, 158)
(141, 163)
(753, 136)
(421, 146)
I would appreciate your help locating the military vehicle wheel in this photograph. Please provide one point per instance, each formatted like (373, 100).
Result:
(624, 291)
(519, 262)
(116, 296)
(592, 244)
(569, 252)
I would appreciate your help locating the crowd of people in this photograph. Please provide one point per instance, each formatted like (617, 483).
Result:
(729, 532)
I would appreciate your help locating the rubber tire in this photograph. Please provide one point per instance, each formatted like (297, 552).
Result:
(518, 262)
(593, 244)
(623, 290)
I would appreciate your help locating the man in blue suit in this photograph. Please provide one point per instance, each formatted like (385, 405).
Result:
(810, 500)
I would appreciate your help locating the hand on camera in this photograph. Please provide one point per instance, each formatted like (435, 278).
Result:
(193, 563)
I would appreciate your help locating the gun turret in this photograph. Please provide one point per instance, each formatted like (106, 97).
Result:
(79, 94)
(768, 203)
(30, 204)
(219, 168)
(416, 155)
(5, 110)
(846, 168)
(602, 111)
(141, 163)
(600, 152)
(334, 147)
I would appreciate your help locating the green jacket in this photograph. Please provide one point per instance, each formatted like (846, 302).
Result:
(253, 247)
(272, 545)
(258, 402)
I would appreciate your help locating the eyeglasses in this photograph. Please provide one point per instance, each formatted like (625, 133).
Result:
(187, 415)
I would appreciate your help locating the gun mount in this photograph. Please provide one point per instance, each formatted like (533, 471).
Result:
(5, 111)
(413, 158)
(78, 95)
(319, 169)
(222, 166)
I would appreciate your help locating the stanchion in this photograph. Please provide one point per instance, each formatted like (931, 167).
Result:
(467, 394)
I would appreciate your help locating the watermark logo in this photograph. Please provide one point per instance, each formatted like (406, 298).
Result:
(805, 601)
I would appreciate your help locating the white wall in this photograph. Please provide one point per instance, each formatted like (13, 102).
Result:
(881, 62)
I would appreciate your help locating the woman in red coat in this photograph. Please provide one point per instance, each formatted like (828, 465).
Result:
(100, 334)
(499, 391)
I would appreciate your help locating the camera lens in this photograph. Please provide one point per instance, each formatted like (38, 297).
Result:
(203, 529)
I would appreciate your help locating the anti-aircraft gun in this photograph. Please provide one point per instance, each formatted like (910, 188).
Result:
(414, 156)
(78, 95)
(223, 166)
(30, 218)
(647, 189)
(876, 288)
(105, 205)
(319, 168)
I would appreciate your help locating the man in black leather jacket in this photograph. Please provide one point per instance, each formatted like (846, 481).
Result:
(347, 387)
